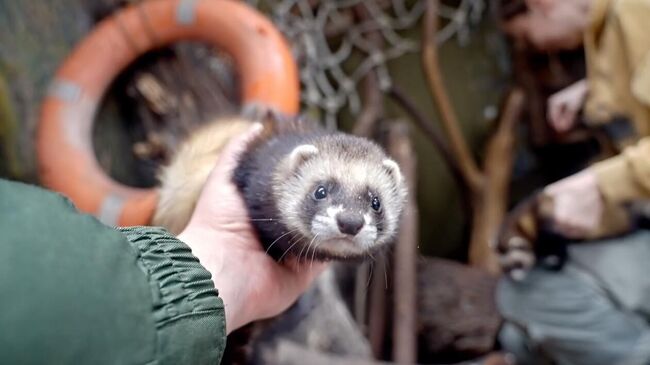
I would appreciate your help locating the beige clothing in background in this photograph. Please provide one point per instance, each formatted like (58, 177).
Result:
(617, 46)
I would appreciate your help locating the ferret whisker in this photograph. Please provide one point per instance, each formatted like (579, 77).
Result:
(277, 239)
(310, 243)
(303, 248)
(293, 238)
(307, 252)
(300, 255)
(290, 247)
(372, 265)
(313, 253)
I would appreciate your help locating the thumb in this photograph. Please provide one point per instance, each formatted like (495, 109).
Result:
(563, 121)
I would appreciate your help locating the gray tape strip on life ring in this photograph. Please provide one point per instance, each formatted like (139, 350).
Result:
(109, 211)
(186, 12)
(65, 90)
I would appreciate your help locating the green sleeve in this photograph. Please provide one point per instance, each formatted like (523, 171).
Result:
(73, 291)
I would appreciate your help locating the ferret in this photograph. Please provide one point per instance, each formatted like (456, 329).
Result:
(525, 239)
(306, 189)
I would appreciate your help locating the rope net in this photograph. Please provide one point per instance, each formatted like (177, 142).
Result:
(338, 43)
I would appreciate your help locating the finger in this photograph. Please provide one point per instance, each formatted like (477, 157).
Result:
(560, 117)
(231, 153)
(565, 121)
(553, 111)
(560, 123)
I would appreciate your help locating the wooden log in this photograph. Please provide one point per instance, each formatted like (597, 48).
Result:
(457, 316)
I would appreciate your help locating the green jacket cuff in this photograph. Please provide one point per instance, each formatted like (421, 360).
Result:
(188, 312)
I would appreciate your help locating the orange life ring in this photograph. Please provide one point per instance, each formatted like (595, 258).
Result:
(67, 163)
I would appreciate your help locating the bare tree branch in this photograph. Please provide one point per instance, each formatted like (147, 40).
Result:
(491, 204)
(468, 167)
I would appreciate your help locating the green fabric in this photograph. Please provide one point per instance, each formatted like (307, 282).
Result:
(73, 291)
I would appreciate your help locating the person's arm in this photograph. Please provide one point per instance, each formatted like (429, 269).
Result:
(76, 291)
(626, 177)
(590, 203)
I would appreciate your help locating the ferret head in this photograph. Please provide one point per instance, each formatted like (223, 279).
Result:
(343, 194)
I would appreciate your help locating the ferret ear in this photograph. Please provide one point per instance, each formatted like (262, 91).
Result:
(301, 154)
(393, 169)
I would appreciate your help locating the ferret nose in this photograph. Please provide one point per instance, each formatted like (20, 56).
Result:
(349, 223)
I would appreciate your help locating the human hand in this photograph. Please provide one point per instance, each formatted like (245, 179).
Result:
(563, 106)
(251, 284)
(577, 206)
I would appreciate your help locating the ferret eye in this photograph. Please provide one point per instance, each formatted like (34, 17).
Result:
(320, 193)
(376, 205)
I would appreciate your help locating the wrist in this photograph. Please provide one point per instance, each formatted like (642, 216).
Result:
(209, 248)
